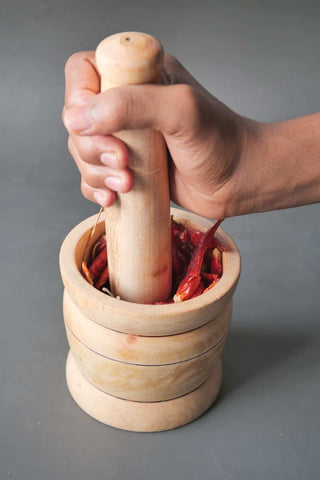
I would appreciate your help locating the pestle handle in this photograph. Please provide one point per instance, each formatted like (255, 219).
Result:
(138, 223)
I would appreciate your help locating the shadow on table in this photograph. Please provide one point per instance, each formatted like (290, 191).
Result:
(250, 353)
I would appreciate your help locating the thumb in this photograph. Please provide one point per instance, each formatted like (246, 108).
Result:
(157, 107)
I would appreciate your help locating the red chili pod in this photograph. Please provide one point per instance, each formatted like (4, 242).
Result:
(191, 235)
(98, 264)
(100, 245)
(199, 290)
(187, 250)
(216, 265)
(190, 282)
(176, 227)
(178, 260)
(211, 285)
(103, 278)
(209, 277)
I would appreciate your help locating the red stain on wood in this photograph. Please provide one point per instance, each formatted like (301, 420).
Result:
(131, 338)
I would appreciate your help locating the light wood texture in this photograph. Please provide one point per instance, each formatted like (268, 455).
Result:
(144, 367)
(146, 320)
(138, 224)
(143, 383)
(140, 350)
(141, 416)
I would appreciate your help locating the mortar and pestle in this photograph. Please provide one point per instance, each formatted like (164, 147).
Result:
(133, 365)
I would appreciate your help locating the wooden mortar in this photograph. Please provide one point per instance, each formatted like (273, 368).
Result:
(144, 367)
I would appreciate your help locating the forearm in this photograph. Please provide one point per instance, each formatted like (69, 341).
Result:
(280, 167)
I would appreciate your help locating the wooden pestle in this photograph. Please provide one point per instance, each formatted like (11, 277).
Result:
(138, 223)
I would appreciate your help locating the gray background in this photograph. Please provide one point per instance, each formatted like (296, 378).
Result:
(262, 59)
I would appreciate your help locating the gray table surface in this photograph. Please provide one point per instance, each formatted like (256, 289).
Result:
(262, 59)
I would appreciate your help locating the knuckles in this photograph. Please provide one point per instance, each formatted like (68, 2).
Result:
(92, 179)
(118, 103)
(74, 60)
(187, 95)
(87, 191)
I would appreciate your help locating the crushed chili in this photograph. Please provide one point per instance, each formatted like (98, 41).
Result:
(196, 262)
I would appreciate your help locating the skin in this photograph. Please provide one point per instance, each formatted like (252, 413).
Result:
(221, 164)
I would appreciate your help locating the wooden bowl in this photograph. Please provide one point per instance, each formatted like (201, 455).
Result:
(144, 367)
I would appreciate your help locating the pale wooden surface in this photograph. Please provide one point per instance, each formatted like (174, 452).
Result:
(141, 350)
(144, 368)
(143, 383)
(145, 364)
(138, 223)
(146, 320)
(141, 416)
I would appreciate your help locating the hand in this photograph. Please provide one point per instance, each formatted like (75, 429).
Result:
(205, 138)
(220, 165)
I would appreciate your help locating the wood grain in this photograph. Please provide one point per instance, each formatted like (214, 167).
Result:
(138, 223)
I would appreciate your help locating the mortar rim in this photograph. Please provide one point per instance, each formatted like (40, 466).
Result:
(72, 276)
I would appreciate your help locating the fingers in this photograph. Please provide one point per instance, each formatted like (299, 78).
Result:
(105, 198)
(92, 117)
(165, 108)
(158, 107)
(99, 182)
(102, 150)
(175, 73)
(101, 160)
(82, 79)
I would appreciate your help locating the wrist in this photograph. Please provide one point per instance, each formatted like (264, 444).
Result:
(279, 166)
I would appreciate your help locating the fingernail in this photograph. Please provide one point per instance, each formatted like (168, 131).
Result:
(78, 119)
(101, 198)
(114, 183)
(110, 159)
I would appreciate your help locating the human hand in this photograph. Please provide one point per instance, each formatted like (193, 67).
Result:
(205, 139)
(220, 164)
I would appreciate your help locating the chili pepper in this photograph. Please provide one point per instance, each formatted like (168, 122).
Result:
(178, 260)
(98, 246)
(176, 227)
(199, 290)
(209, 266)
(218, 244)
(216, 266)
(209, 277)
(192, 236)
(190, 282)
(98, 264)
(193, 251)
(187, 250)
(211, 285)
(86, 273)
(103, 278)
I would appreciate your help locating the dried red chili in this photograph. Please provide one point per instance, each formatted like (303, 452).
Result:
(211, 285)
(103, 278)
(216, 265)
(196, 262)
(177, 227)
(179, 263)
(190, 282)
(187, 250)
(209, 277)
(100, 245)
(189, 235)
(98, 264)
(198, 290)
